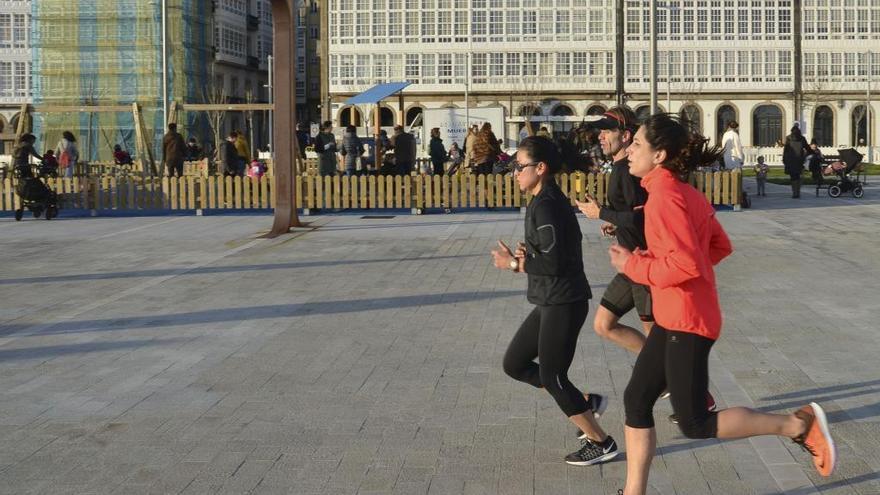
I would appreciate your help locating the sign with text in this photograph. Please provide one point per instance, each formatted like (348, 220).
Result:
(454, 122)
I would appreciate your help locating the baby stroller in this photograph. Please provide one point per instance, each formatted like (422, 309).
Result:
(47, 168)
(846, 181)
(34, 195)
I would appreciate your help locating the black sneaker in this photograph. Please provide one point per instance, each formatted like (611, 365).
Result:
(596, 403)
(593, 453)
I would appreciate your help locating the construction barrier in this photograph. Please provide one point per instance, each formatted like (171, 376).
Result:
(137, 193)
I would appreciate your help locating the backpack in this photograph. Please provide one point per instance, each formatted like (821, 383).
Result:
(64, 159)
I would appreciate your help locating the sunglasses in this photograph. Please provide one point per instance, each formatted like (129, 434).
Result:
(519, 167)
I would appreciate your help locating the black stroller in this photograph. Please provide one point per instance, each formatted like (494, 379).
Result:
(34, 194)
(846, 181)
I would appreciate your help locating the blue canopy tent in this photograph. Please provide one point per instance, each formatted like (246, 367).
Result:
(374, 96)
(377, 93)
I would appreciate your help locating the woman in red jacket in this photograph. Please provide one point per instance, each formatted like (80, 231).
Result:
(685, 241)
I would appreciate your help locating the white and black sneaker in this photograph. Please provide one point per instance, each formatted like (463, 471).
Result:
(592, 453)
(596, 403)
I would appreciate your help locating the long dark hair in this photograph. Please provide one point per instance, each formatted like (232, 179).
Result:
(686, 149)
(541, 149)
(68, 136)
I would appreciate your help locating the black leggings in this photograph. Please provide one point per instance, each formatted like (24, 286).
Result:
(677, 362)
(550, 334)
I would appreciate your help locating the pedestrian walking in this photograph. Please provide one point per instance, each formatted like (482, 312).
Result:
(325, 146)
(173, 151)
(437, 152)
(67, 153)
(485, 150)
(733, 151)
(684, 242)
(229, 156)
(243, 151)
(469, 141)
(352, 149)
(552, 259)
(404, 146)
(303, 139)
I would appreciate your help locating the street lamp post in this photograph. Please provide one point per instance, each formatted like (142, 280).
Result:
(467, 77)
(270, 87)
(164, 65)
(868, 109)
(653, 59)
(668, 83)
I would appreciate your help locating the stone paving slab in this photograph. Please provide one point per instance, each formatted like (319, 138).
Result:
(185, 355)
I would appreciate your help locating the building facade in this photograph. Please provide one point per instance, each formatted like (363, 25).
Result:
(243, 41)
(766, 64)
(16, 85)
(110, 53)
(242, 47)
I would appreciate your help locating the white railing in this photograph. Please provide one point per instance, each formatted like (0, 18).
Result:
(773, 155)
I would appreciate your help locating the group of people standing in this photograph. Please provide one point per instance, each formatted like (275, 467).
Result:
(234, 153)
(797, 156)
(62, 160)
(353, 150)
(668, 240)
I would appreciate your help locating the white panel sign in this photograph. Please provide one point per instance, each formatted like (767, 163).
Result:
(453, 123)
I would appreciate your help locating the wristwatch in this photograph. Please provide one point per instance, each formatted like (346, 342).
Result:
(514, 264)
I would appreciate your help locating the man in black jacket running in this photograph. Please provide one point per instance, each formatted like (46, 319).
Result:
(625, 219)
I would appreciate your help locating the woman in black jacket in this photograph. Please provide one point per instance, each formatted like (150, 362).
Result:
(793, 156)
(551, 257)
(22, 153)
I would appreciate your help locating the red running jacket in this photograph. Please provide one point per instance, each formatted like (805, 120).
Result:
(685, 241)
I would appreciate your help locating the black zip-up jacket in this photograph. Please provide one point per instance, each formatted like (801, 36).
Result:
(554, 260)
(625, 192)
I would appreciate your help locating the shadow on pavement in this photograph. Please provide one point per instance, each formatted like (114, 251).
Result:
(259, 312)
(215, 269)
(62, 350)
(821, 390)
(851, 481)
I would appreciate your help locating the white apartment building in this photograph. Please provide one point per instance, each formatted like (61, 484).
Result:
(15, 66)
(764, 63)
(243, 43)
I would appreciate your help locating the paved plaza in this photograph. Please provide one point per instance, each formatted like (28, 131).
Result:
(184, 354)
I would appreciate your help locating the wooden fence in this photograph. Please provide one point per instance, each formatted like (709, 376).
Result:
(411, 192)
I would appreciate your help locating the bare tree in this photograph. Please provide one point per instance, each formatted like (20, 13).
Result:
(816, 93)
(530, 92)
(249, 118)
(92, 96)
(214, 93)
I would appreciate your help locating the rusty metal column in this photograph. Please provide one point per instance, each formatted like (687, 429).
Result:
(284, 117)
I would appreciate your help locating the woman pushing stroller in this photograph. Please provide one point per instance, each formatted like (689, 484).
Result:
(21, 155)
(34, 194)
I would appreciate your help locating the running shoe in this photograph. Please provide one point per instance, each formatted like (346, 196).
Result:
(710, 406)
(596, 403)
(710, 402)
(816, 439)
(592, 453)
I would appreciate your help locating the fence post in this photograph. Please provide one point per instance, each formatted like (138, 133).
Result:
(736, 185)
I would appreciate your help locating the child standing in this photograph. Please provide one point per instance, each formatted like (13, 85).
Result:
(761, 170)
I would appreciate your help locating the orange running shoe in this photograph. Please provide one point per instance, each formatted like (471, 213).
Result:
(816, 439)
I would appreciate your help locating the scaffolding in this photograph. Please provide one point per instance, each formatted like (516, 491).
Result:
(105, 53)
